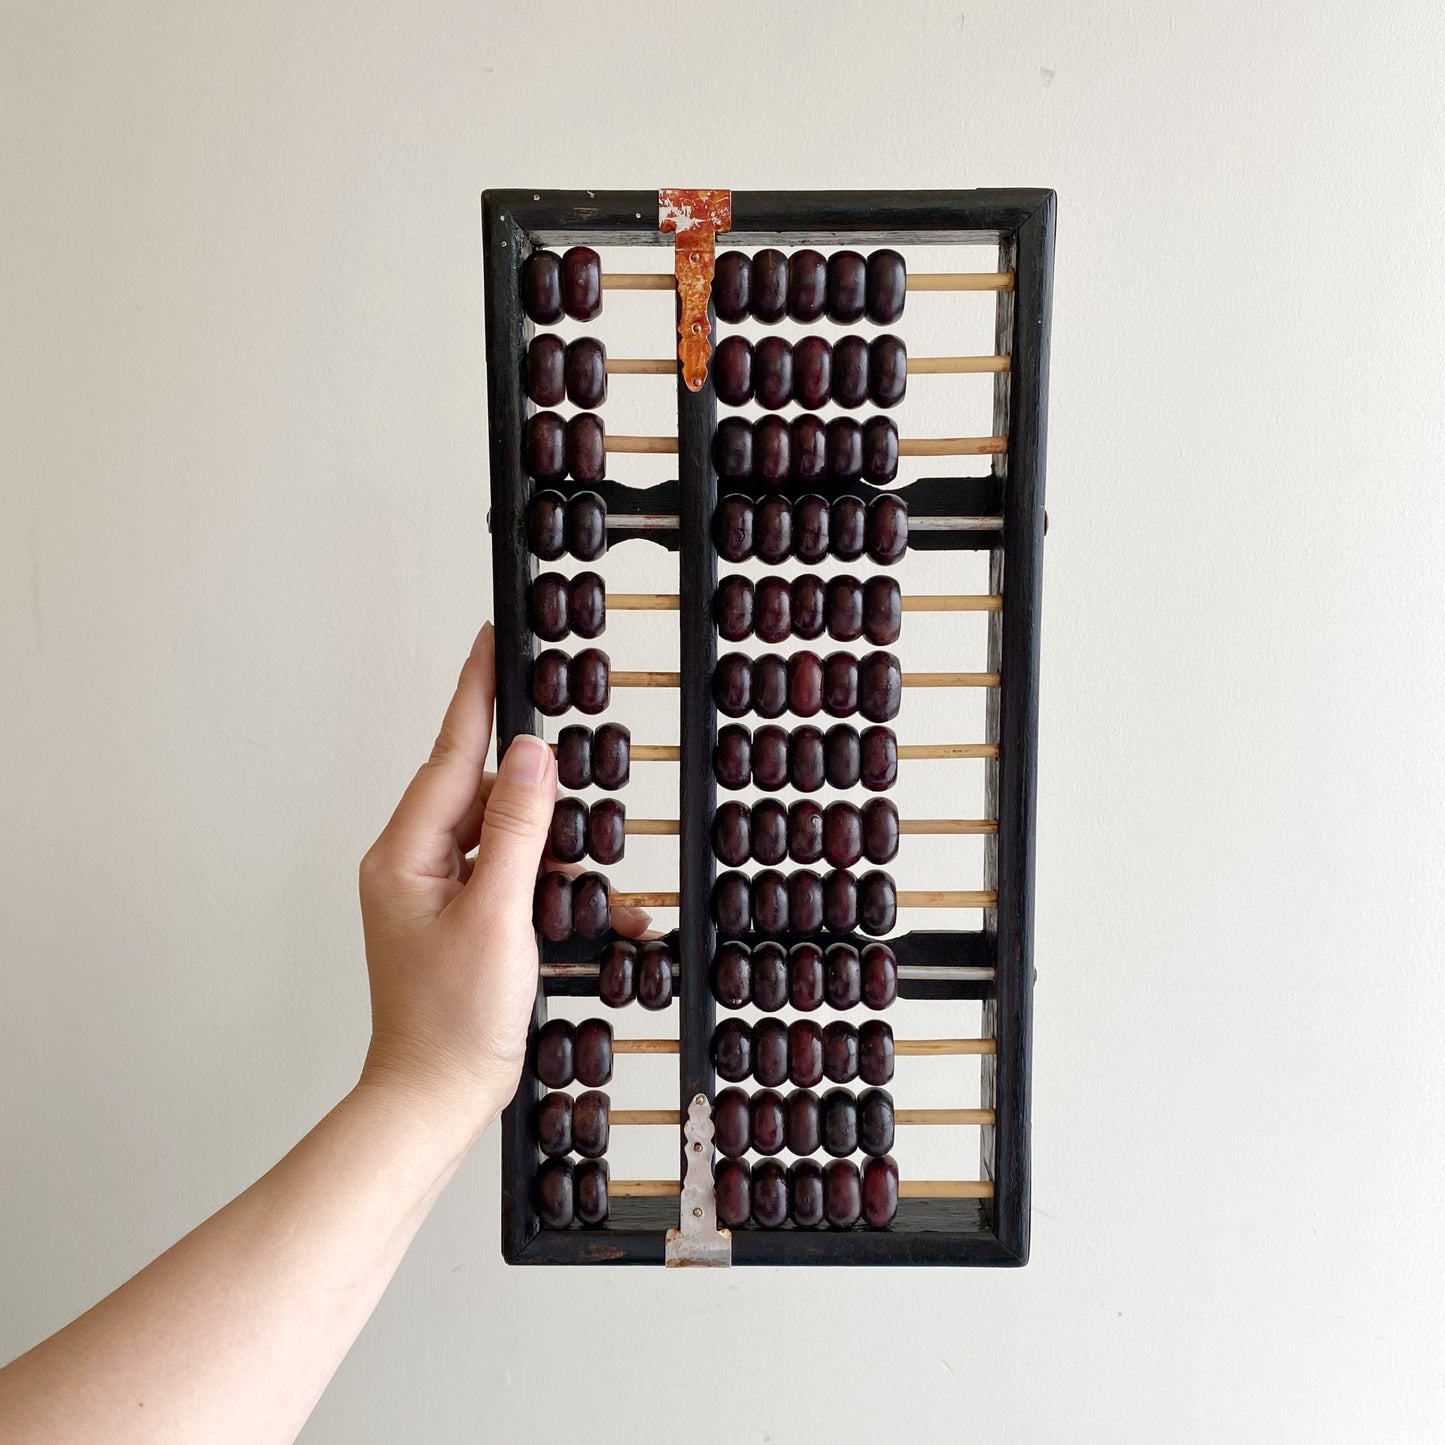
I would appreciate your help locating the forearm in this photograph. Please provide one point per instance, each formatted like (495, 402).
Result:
(234, 1332)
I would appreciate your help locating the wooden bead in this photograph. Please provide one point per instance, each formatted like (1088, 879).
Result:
(880, 687)
(770, 1052)
(842, 976)
(847, 287)
(769, 827)
(882, 610)
(802, 1122)
(732, 449)
(552, 906)
(806, 758)
(542, 287)
(770, 760)
(732, 1050)
(770, 686)
(556, 1053)
(544, 446)
(587, 605)
(887, 529)
(805, 831)
(842, 756)
(875, 1052)
(773, 610)
(769, 1187)
(556, 1206)
(554, 1125)
(842, 1194)
(567, 834)
(546, 370)
(586, 524)
(807, 284)
(733, 608)
(808, 440)
(772, 454)
(805, 902)
(732, 757)
(586, 448)
(732, 904)
(807, 602)
(880, 830)
(590, 1117)
(805, 1193)
(805, 683)
(842, 834)
(847, 528)
(591, 916)
(732, 975)
(845, 608)
(805, 1053)
(844, 445)
(768, 1121)
(806, 976)
(546, 534)
(841, 674)
(840, 902)
(812, 372)
(880, 1191)
(878, 750)
(875, 1121)
(606, 831)
(850, 371)
(611, 756)
(732, 1192)
(590, 1180)
(877, 903)
(732, 371)
(880, 449)
(732, 528)
(574, 757)
(880, 976)
(770, 903)
(582, 283)
(773, 372)
(594, 1053)
(654, 974)
(617, 973)
(887, 286)
(732, 1123)
(732, 684)
(732, 836)
(840, 1052)
(770, 976)
(732, 289)
(585, 371)
(887, 370)
(547, 606)
(840, 1123)
(768, 301)
(589, 680)
(551, 685)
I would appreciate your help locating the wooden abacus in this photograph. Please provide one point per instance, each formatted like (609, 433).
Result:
(808, 490)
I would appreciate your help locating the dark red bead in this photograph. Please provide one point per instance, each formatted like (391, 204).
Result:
(803, 1122)
(732, 371)
(732, 1192)
(587, 605)
(880, 687)
(769, 299)
(770, 1194)
(807, 284)
(567, 835)
(770, 976)
(879, 761)
(773, 529)
(805, 1194)
(590, 1180)
(847, 525)
(880, 449)
(551, 686)
(574, 757)
(586, 448)
(850, 371)
(732, 528)
(805, 976)
(773, 610)
(582, 283)
(591, 1115)
(772, 454)
(546, 531)
(542, 287)
(880, 976)
(770, 686)
(732, 286)
(732, 1050)
(806, 769)
(654, 974)
(770, 1052)
(805, 683)
(845, 451)
(544, 447)
(547, 606)
(732, 1123)
(594, 1053)
(809, 440)
(770, 903)
(840, 902)
(877, 903)
(842, 835)
(546, 370)
(770, 757)
(840, 1123)
(842, 1194)
(805, 831)
(732, 684)
(732, 449)
(733, 605)
(769, 832)
(842, 757)
(606, 831)
(880, 1191)
(880, 831)
(617, 973)
(882, 610)
(586, 372)
(812, 372)
(805, 1053)
(554, 1125)
(586, 525)
(875, 1121)
(556, 1200)
(611, 756)
(887, 370)
(589, 677)
(845, 608)
(556, 1053)
(887, 285)
(840, 684)
(840, 1052)
(769, 1123)
(842, 976)
(805, 901)
(732, 834)
(591, 915)
(732, 758)
(807, 605)
(773, 372)
(875, 1052)
(887, 529)
(847, 287)
(732, 904)
(732, 975)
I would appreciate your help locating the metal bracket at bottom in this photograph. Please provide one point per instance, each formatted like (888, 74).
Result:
(697, 1239)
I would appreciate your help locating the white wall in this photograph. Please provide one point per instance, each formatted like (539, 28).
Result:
(243, 461)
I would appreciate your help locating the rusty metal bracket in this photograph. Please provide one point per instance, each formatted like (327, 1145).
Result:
(696, 217)
(698, 1240)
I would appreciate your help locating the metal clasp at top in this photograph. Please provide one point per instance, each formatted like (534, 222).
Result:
(696, 217)
(698, 1240)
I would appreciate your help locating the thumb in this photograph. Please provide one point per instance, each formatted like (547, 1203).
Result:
(514, 830)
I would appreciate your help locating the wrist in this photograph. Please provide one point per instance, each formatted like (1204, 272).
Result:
(445, 1114)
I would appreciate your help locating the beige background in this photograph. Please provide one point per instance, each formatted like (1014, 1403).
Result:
(242, 447)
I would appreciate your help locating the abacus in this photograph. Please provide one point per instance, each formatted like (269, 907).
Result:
(784, 896)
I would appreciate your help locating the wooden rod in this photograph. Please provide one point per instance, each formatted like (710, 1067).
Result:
(916, 365)
(918, 281)
(644, 1116)
(644, 601)
(904, 1048)
(640, 366)
(626, 1117)
(950, 446)
(945, 827)
(910, 679)
(667, 522)
(645, 900)
(659, 826)
(919, 602)
(913, 752)
(907, 1188)
(655, 753)
(652, 1046)
(907, 898)
(651, 445)
(646, 679)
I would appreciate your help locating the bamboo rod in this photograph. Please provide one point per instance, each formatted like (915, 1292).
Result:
(644, 601)
(643, 1188)
(912, 752)
(644, 1116)
(627, 1117)
(650, 445)
(649, 1046)
(646, 679)
(918, 281)
(907, 972)
(945, 827)
(640, 366)
(910, 679)
(667, 522)
(906, 898)
(916, 365)
(637, 281)
(655, 753)
(950, 446)
(659, 826)
(907, 1188)
(904, 1048)
(918, 602)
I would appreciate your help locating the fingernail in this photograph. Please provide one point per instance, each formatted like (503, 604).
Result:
(481, 637)
(527, 760)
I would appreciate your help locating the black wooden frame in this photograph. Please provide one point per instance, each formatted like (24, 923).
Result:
(1021, 223)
